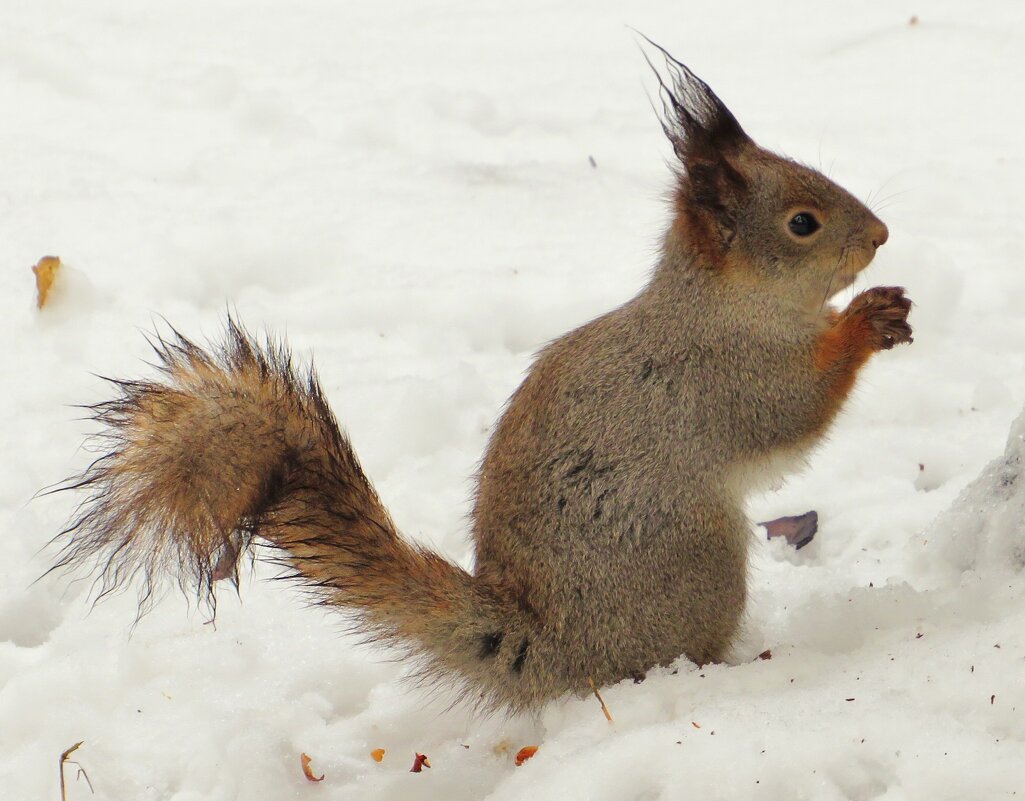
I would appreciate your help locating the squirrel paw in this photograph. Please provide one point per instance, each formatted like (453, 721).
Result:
(885, 310)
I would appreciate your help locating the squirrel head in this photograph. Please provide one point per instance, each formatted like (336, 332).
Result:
(753, 215)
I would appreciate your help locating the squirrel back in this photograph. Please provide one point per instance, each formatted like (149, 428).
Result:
(608, 524)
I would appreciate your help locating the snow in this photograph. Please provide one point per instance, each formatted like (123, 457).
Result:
(405, 190)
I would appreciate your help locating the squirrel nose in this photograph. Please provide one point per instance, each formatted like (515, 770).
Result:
(880, 235)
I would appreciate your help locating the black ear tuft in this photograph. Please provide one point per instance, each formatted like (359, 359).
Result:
(695, 120)
(706, 137)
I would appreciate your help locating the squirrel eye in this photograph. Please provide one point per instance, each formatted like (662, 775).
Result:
(804, 224)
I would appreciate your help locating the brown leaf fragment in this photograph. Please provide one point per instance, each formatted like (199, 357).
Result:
(798, 530)
(766, 654)
(377, 754)
(695, 724)
(419, 763)
(848, 699)
(305, 760)
(46, 271)
(525, 753)
(992, 698)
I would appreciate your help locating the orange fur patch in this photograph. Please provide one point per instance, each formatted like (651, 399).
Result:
(842, 351)
(693, 233)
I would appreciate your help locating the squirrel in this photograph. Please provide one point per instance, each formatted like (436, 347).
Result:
(608, 522)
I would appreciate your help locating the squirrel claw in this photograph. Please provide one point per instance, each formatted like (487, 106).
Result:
(885, 310)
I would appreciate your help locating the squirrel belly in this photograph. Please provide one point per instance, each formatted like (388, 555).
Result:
(608, 521)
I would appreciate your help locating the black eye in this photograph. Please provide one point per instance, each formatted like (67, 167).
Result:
(804, 224)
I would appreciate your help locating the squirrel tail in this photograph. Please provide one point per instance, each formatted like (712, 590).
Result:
(235, 444)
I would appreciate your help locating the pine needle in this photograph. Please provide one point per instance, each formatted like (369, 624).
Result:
(604, 709)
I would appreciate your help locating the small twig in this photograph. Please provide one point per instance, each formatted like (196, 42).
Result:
(604, 709)
(83, 775)
(60, 765)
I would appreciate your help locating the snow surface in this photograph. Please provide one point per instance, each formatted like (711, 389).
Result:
(405, 190)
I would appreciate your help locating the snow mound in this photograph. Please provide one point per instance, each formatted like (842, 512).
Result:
(984, 530)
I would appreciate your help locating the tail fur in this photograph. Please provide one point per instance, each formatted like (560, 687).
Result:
(235, 444)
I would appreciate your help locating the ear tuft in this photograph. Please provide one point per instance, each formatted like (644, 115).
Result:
(706, 138)
(695, 120)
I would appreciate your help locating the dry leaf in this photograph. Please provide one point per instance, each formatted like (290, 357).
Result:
(798, 530)
(46, 272)
(766, 654)
(525, 753)
(377, 754)
(695, 724)
(307, 771)
(419, 763)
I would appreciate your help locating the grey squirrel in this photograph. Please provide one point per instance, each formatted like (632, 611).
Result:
(608, 521)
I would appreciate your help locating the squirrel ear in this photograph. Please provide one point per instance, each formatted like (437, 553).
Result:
(706, 138)
(694, 119)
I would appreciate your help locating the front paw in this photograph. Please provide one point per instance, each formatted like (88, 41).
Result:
(884, 312)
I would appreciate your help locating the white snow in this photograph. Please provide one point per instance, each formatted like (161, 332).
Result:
(404, 189)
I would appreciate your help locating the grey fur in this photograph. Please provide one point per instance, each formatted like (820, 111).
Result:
(608, 521)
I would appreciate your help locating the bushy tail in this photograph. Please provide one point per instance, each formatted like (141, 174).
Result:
(235, 444)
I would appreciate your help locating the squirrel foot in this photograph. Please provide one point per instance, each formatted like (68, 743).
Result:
(885, 310)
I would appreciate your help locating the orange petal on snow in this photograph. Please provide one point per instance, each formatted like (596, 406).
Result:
(46, 272)
(525, 753)
(305, 761)
(377, 754)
